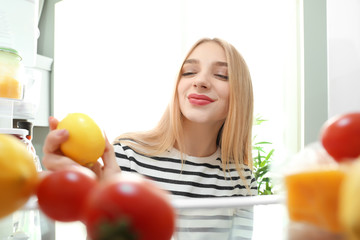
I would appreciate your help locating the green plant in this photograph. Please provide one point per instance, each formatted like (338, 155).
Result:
(262, 160)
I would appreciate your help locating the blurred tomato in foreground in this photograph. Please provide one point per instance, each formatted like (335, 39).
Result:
(340, 136)
(128, 206)
(62, 194)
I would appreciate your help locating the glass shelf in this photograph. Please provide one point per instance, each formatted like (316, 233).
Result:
(263, 217)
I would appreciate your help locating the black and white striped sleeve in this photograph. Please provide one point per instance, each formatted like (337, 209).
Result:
(122, 158)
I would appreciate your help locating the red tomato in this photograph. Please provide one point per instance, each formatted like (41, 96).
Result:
(62, 194)
(340, 136)
(129, 206)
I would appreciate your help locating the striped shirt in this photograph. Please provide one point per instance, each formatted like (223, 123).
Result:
(196, 177)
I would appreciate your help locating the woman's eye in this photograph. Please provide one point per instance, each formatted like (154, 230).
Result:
(222, 76)
(187, 74)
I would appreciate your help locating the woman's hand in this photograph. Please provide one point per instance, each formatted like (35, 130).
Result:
(55, 160)
(109, 166)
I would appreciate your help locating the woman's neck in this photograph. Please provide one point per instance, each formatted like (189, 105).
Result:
(200, 139)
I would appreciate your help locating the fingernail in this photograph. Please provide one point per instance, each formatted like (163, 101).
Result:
(61, 132)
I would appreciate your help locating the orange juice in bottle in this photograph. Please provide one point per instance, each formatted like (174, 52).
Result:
(10, 74)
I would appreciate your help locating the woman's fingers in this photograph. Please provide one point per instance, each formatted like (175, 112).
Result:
(54, 162)
(53, 122)
(109, 166)
(98, 169)
(109, 156)
(53, 158)
(54, 139)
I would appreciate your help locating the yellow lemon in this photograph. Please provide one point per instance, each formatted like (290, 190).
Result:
(349, 202)
(86, 141)
(18, 175)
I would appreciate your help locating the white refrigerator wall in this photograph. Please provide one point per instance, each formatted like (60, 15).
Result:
(18, 28)
(343, 30)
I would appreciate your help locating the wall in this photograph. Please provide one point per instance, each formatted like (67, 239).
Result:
(45, 48)
(315, 69)
(343, 56)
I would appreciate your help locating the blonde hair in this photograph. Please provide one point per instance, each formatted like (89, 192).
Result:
(234, 137)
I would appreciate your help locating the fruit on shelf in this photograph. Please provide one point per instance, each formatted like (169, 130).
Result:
(349, 203)
(18, 175)
(313, 197)
(340, 136)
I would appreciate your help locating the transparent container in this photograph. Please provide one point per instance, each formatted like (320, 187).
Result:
(11, 74)
(30, 104)
(25, 137)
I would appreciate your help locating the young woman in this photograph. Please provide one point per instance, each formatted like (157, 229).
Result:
(202, 144)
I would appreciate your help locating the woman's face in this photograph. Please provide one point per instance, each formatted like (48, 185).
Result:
(203, 88)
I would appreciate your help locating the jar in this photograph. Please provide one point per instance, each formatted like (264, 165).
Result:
(23, 135)
(11, 74)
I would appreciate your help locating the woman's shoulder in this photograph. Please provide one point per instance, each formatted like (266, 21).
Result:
(121, 145)
(124, 148)
(131, 148)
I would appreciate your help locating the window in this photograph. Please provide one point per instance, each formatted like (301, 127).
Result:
(117, 60)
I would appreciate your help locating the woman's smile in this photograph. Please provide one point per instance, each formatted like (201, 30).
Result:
(201, 100)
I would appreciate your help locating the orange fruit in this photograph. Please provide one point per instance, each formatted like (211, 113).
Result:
(18, 175)
(86, 142)
(313, 197)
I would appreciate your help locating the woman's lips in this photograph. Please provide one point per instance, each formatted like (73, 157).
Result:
(197, 99)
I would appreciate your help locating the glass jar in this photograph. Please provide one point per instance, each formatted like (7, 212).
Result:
(11, 74)
(23, 135)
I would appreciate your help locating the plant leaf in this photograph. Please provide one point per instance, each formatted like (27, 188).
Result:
(262, 143)
(270, 154)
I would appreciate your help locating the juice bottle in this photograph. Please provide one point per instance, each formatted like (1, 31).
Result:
(11, 71)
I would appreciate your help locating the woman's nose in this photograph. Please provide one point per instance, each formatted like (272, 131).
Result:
(201, 82)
